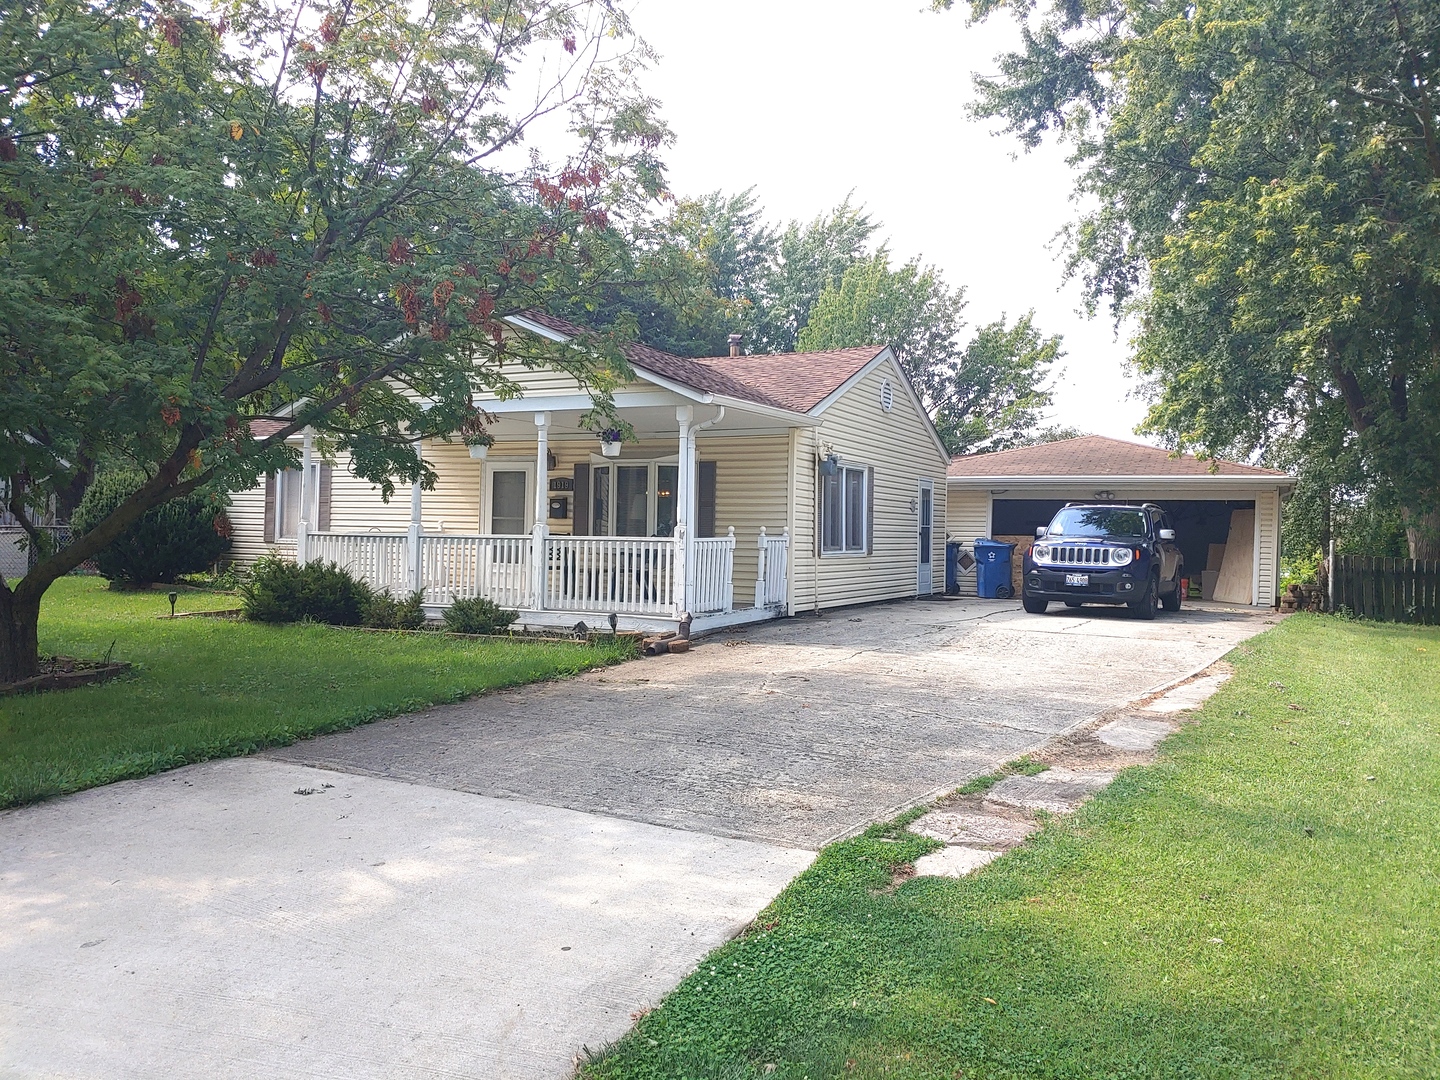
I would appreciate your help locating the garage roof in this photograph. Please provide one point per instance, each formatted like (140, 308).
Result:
(1094, 456)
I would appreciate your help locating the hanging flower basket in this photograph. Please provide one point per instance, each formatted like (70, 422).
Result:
(610, 441)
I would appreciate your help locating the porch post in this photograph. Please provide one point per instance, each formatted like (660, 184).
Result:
(684, 484)
(541, 530)
(764, 565)
(307, 496)
(416, 569)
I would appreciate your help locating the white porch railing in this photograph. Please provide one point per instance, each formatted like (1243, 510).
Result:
(712, 571)
(379, 559)
(611, 574)
(459, 567)
(772, 581)
(600, 575)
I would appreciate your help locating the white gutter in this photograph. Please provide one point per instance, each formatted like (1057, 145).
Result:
(1102, 483)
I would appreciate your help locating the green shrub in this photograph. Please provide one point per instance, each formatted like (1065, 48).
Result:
(280, 592)
(182, 536)
(477, 615)
(384, 612)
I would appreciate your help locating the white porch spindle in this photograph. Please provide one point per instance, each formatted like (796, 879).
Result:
(540, 532)
(412, 548)
(771, 583)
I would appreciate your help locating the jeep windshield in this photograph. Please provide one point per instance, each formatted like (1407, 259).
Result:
(1097, 522)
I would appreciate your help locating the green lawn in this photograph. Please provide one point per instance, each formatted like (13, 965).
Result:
(206, 688)
(1264, 901)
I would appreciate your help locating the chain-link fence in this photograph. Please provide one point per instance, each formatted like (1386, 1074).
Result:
(18, 554)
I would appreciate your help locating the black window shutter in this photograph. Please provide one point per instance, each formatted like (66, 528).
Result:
(581, 526)
(705, 498)
(269, 533)
(870, 511)
(322, 501)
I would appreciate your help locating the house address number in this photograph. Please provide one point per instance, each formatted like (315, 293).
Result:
(562, 483)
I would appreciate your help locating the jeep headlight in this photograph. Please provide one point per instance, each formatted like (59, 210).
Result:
(1121, 556)
(1040, 553)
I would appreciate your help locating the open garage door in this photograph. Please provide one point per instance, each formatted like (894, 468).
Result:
(1202, 529)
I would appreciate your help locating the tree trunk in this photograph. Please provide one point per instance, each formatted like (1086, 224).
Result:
(1422, 530)
(19, 637)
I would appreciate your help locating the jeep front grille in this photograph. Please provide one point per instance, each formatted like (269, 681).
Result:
(1083, 555)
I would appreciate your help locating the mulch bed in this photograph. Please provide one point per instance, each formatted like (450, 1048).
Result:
(64, 672)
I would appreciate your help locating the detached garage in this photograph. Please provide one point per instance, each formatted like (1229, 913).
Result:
(1226, 515)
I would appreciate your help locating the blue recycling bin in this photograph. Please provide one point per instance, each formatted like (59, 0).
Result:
(953, 548)
(992, 567)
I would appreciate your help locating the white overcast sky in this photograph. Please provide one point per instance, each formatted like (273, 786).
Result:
(807, 100)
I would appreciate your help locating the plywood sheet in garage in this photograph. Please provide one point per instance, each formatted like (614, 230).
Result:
(1236, 584)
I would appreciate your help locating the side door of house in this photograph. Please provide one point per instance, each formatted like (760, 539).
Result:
(925, 576)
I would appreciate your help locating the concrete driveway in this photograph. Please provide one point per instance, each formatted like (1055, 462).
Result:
(479, 890)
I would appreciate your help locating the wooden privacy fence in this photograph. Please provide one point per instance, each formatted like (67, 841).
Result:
(1390, 590)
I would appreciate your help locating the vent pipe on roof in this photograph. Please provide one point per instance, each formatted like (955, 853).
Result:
(735, 340)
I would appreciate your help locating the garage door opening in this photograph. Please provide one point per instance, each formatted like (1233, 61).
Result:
(1201, 527)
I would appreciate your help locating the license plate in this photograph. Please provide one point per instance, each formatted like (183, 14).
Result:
(1077, 579)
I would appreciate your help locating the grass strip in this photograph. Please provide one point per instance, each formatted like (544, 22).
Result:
(1263, 901)
(210, 688)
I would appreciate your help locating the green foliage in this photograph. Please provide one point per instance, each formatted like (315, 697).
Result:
(213, 688)
(477, 615)
(280, 591)
(293, 205)
(183, 536)
(984, 394)
(383, 612)
(1264, 175)
(1187, 923)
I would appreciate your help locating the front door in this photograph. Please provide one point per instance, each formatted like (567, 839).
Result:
(925, 579)
(509, 497)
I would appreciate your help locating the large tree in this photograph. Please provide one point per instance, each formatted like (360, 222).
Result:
(1264, 175)
(986, 392)
(285, 208)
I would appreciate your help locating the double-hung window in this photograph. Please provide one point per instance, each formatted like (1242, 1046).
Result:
(288, 490)
(844, 511)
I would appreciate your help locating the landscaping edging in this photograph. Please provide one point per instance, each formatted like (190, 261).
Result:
(65, 680)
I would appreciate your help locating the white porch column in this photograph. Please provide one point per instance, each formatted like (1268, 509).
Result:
(417, 574)
(540, 532)
(684, 485)
(307, 498)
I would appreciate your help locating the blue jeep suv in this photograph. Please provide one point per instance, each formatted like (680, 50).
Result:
(1105, 553)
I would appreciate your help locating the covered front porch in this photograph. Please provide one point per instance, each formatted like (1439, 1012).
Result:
(550, 522)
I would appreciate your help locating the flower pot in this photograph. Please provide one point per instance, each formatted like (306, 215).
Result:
(610, 449)
(480, 453)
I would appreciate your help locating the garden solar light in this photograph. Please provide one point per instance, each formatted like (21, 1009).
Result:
(173, 597)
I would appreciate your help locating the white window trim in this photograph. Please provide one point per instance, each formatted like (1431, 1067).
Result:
(843, 552)
(516, 464)
(652, 488)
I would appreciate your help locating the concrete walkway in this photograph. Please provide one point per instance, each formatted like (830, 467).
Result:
(481, 890)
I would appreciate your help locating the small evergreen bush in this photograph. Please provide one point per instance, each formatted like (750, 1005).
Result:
(477, 615)
(183, 536)
(384, 612)
(280, 592)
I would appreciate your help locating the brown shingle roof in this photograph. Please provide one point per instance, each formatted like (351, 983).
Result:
(798, 380)
(1096, 455)
(263, 427)
(794, 381)
(691, 373)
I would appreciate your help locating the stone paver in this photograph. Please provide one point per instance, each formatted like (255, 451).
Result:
(1058, 791)
(1189, 695)
(1137, 734)
(969, 827)
(953, 861)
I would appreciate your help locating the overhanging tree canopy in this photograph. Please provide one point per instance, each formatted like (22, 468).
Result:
(290, 209)
(1267, 181)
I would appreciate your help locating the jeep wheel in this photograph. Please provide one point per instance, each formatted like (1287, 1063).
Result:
(1034, 607)
(1172, 600)
(1149, 604)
